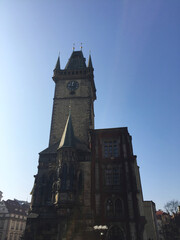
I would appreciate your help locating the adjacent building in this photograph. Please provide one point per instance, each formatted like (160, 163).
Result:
(88, 183)
(13, 216)
(151, 226)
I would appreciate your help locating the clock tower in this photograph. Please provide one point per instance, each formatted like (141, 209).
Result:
(74, 89)
(61, 195)
(88, 183)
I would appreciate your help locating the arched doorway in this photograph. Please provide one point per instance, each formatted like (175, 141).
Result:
(115, 233)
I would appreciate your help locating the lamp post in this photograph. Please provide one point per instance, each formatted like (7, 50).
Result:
(101, 229)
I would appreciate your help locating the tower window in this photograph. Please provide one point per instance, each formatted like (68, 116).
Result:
(63, 177)
(71, 177)
(109, 208)
(114, 208)
(112, 176)
(80, 182)
(118, 208)
(111, 149)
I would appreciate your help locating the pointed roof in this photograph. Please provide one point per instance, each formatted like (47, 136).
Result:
(90, 62)
(67, 139)
(51, 149)
(76, 61)
(57, 67)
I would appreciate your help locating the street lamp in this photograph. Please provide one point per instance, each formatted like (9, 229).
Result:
(101, 229)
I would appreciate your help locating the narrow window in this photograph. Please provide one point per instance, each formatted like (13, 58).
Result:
(116, 176)
(109, 208)
(64, 177)
(80, 182)
(118, 208)
(71, 177)
(108, 177)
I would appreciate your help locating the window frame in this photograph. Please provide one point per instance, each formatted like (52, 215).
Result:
(111, 148)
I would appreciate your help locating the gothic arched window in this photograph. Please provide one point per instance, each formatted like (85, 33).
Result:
(118, 208)
(64, 176)
(109, 208)
(80, 182)
(71, 176)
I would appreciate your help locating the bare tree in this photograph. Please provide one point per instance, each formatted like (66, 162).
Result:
(171, 207)
(171, 225)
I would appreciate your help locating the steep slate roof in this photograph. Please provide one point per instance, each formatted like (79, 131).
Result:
(68, 139)
(90, 62)
(50, 150)
(76, 61)
(14, 206)
(57, 67)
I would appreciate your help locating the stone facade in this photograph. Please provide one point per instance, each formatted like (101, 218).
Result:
(116, 189)
(80, 101)
(88, 183)
(151, 226)
(13, 216)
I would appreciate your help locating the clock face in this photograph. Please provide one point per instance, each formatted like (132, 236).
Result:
(72, 85)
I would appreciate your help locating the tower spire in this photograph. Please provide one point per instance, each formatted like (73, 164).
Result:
(90, 61)
(57, 67)
(68, 139)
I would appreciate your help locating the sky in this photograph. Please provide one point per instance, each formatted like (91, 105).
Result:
(135, 49)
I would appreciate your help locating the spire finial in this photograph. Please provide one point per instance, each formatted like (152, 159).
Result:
(73, 47)
(81, 47)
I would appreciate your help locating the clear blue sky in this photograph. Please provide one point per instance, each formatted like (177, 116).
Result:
(135, 47)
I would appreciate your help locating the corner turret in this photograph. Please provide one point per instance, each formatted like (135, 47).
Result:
(90, 62)
(57, 67)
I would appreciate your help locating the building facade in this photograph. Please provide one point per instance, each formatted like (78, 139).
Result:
(13, 216)
(88, 183)
(151, 226)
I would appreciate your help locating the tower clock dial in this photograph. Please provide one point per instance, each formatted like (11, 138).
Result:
(72, 85)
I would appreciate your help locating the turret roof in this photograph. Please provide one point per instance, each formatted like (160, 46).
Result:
(90, 62)
(57, 67)
(68, 139)
(76, 61)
